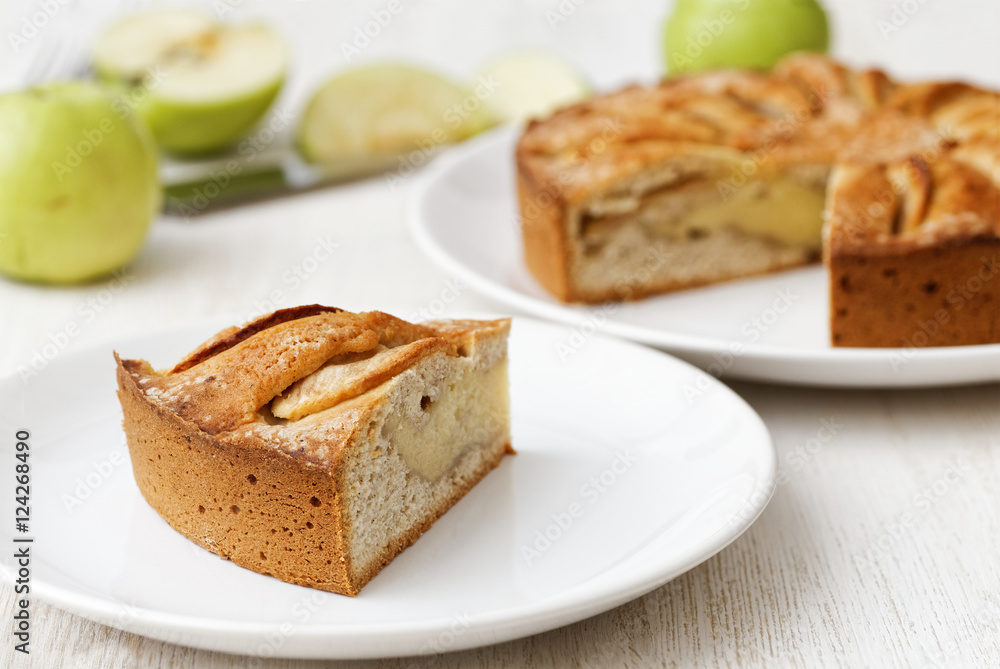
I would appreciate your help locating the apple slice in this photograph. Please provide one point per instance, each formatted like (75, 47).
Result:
(383, 111)
(199, 85)
(532, 84)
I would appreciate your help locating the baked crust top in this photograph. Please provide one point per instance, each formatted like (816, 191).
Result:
(226, 387)
(924, 157)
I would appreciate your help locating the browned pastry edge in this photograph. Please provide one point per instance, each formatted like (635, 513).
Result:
(546, 249)
(233, 336)
(178, 467)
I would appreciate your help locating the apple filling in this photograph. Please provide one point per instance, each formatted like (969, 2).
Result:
(347, 376)
(461, 413)
(782, 209)
(436, 415)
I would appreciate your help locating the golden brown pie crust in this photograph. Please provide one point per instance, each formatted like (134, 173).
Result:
(912, 201)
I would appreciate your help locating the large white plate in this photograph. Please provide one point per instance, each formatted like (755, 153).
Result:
(665, 467)
(772, 328)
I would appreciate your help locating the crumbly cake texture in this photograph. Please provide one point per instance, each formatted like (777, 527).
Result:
(314, 445)
(902, 182)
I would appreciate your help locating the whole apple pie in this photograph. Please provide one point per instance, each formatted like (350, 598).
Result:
(730, 174)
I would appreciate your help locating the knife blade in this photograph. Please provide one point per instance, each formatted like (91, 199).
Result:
(220, 184)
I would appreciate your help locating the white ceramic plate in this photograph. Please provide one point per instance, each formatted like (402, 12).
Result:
(772, 328)
(662, 466)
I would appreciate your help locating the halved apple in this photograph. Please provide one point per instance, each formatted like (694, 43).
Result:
(530, 84)
(200, 85)
(383, 111)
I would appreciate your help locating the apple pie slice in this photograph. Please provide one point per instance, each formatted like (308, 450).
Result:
(313, 444)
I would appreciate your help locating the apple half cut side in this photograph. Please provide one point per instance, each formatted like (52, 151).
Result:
(199, 85)
(532, 84)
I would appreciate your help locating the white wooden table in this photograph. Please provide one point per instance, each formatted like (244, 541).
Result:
(881, 546)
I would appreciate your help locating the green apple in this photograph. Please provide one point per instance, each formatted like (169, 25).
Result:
(199, 85)
(708, 34)
(382, 111)
(532, 84)
(78, 183)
